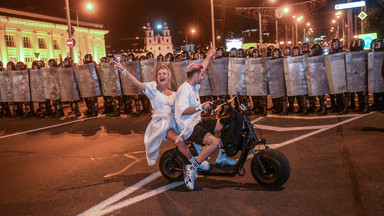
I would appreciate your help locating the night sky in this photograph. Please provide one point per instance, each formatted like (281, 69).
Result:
(125, 18)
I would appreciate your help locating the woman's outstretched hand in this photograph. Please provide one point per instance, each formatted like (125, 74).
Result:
(118, 65)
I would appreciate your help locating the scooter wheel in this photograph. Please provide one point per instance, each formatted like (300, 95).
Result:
(277, 169)
(172, 164)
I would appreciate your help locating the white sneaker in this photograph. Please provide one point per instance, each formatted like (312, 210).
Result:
(204, 166)
(189, 176)
(222, 160)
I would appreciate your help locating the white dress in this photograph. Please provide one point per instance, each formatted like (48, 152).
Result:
(162, 119)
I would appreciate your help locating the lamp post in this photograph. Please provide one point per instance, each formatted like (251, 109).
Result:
(193, 32)
(69, 25)
(213, 25)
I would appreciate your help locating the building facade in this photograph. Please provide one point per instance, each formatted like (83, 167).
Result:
(28, 39)
(159, 44)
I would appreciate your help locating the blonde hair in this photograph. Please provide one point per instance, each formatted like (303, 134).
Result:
(164, 67)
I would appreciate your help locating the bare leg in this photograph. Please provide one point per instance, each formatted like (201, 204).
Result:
(181, 145)
(212, 144)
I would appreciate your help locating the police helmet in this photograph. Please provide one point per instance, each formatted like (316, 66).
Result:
(220, 52)
(377, 45)
(335, 45)
(185, 55)
(68, 62)
(11, 66)
(256, 53)
(149, 55)
(306, 48)
(103, 60)
(52, 63)
(240, 53)
(287, 51)
(36, 65)
(316, 50)
(232, 52)
(160, 57)
(276, 53)
(1, 66)
(169, 57)
(295, 51)
(88, 58)
(202, 55)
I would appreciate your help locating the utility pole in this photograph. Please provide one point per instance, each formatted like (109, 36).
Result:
(69, 26)
(213, 25)
(260, 28)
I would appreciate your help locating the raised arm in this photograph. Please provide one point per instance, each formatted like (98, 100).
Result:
(131, 78)
(211, 52)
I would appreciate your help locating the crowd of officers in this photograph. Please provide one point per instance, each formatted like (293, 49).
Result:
(137, 105)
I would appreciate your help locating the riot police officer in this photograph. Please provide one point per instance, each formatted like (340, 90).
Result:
(169, 57)
(42, 110)
(5, 111)
(59, 110)
(317, 50)
(260, 103)
(68, 63)
(306, 49)
(92, 102)
(287, 51)
(28, 105)
(232, 52)
(337, 101)
(301, 99)
(280, 106)
(377, 45)
(202, 55)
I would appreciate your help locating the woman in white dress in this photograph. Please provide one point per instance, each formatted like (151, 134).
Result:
(162, 125)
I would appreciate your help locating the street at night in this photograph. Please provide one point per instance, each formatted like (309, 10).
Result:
(97, 166)
(192, 107)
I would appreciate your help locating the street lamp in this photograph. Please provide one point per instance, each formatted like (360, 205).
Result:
(89, 6)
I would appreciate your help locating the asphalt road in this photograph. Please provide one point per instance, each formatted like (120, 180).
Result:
(97, 166)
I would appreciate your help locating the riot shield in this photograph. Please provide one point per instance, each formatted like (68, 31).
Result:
(36, 85)
(275, 77)
(179, 74)
(356, 68)
(375, 77)
(205, 86)
(67, 84)
(6, 86)
(87, 80)
(110, 80)
(128, 87)
(148, 70)
(51, 85)
(337, 80)
(20, 86)
(218, 74)
(236, 76)
(294, 74)
(256, 77)
(316, 76)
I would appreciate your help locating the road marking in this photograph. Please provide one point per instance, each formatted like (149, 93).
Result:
(103, 209)
(282, 129)
(121, 195)
(317, 131)
(257, 119)
(136, 160)
(51, 126)
(312, 117)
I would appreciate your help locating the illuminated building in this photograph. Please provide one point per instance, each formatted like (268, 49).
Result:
(159, 44)
(28, 36)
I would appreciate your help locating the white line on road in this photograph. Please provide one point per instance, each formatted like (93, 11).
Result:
(316, 131)
(121, 195)
(103, 209)
(48, 127)
(311, 117)
(281, 129)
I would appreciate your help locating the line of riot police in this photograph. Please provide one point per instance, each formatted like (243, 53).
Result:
(285, 75)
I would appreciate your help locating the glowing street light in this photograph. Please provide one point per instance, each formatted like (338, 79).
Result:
(89, 6)
(193, 30)
(159, 26)
(308, 24)
(286, 10)
(218, 37)
(333, 21)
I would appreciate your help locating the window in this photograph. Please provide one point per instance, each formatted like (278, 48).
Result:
(42, 43)
(27, 42)
(9, 40)
(150, 41)
(28, 59)
(158, 40)
(168, 48)
(159, 48)
(56, 45)
(167, 40)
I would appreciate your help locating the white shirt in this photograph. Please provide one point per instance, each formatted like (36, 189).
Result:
(187, 96)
